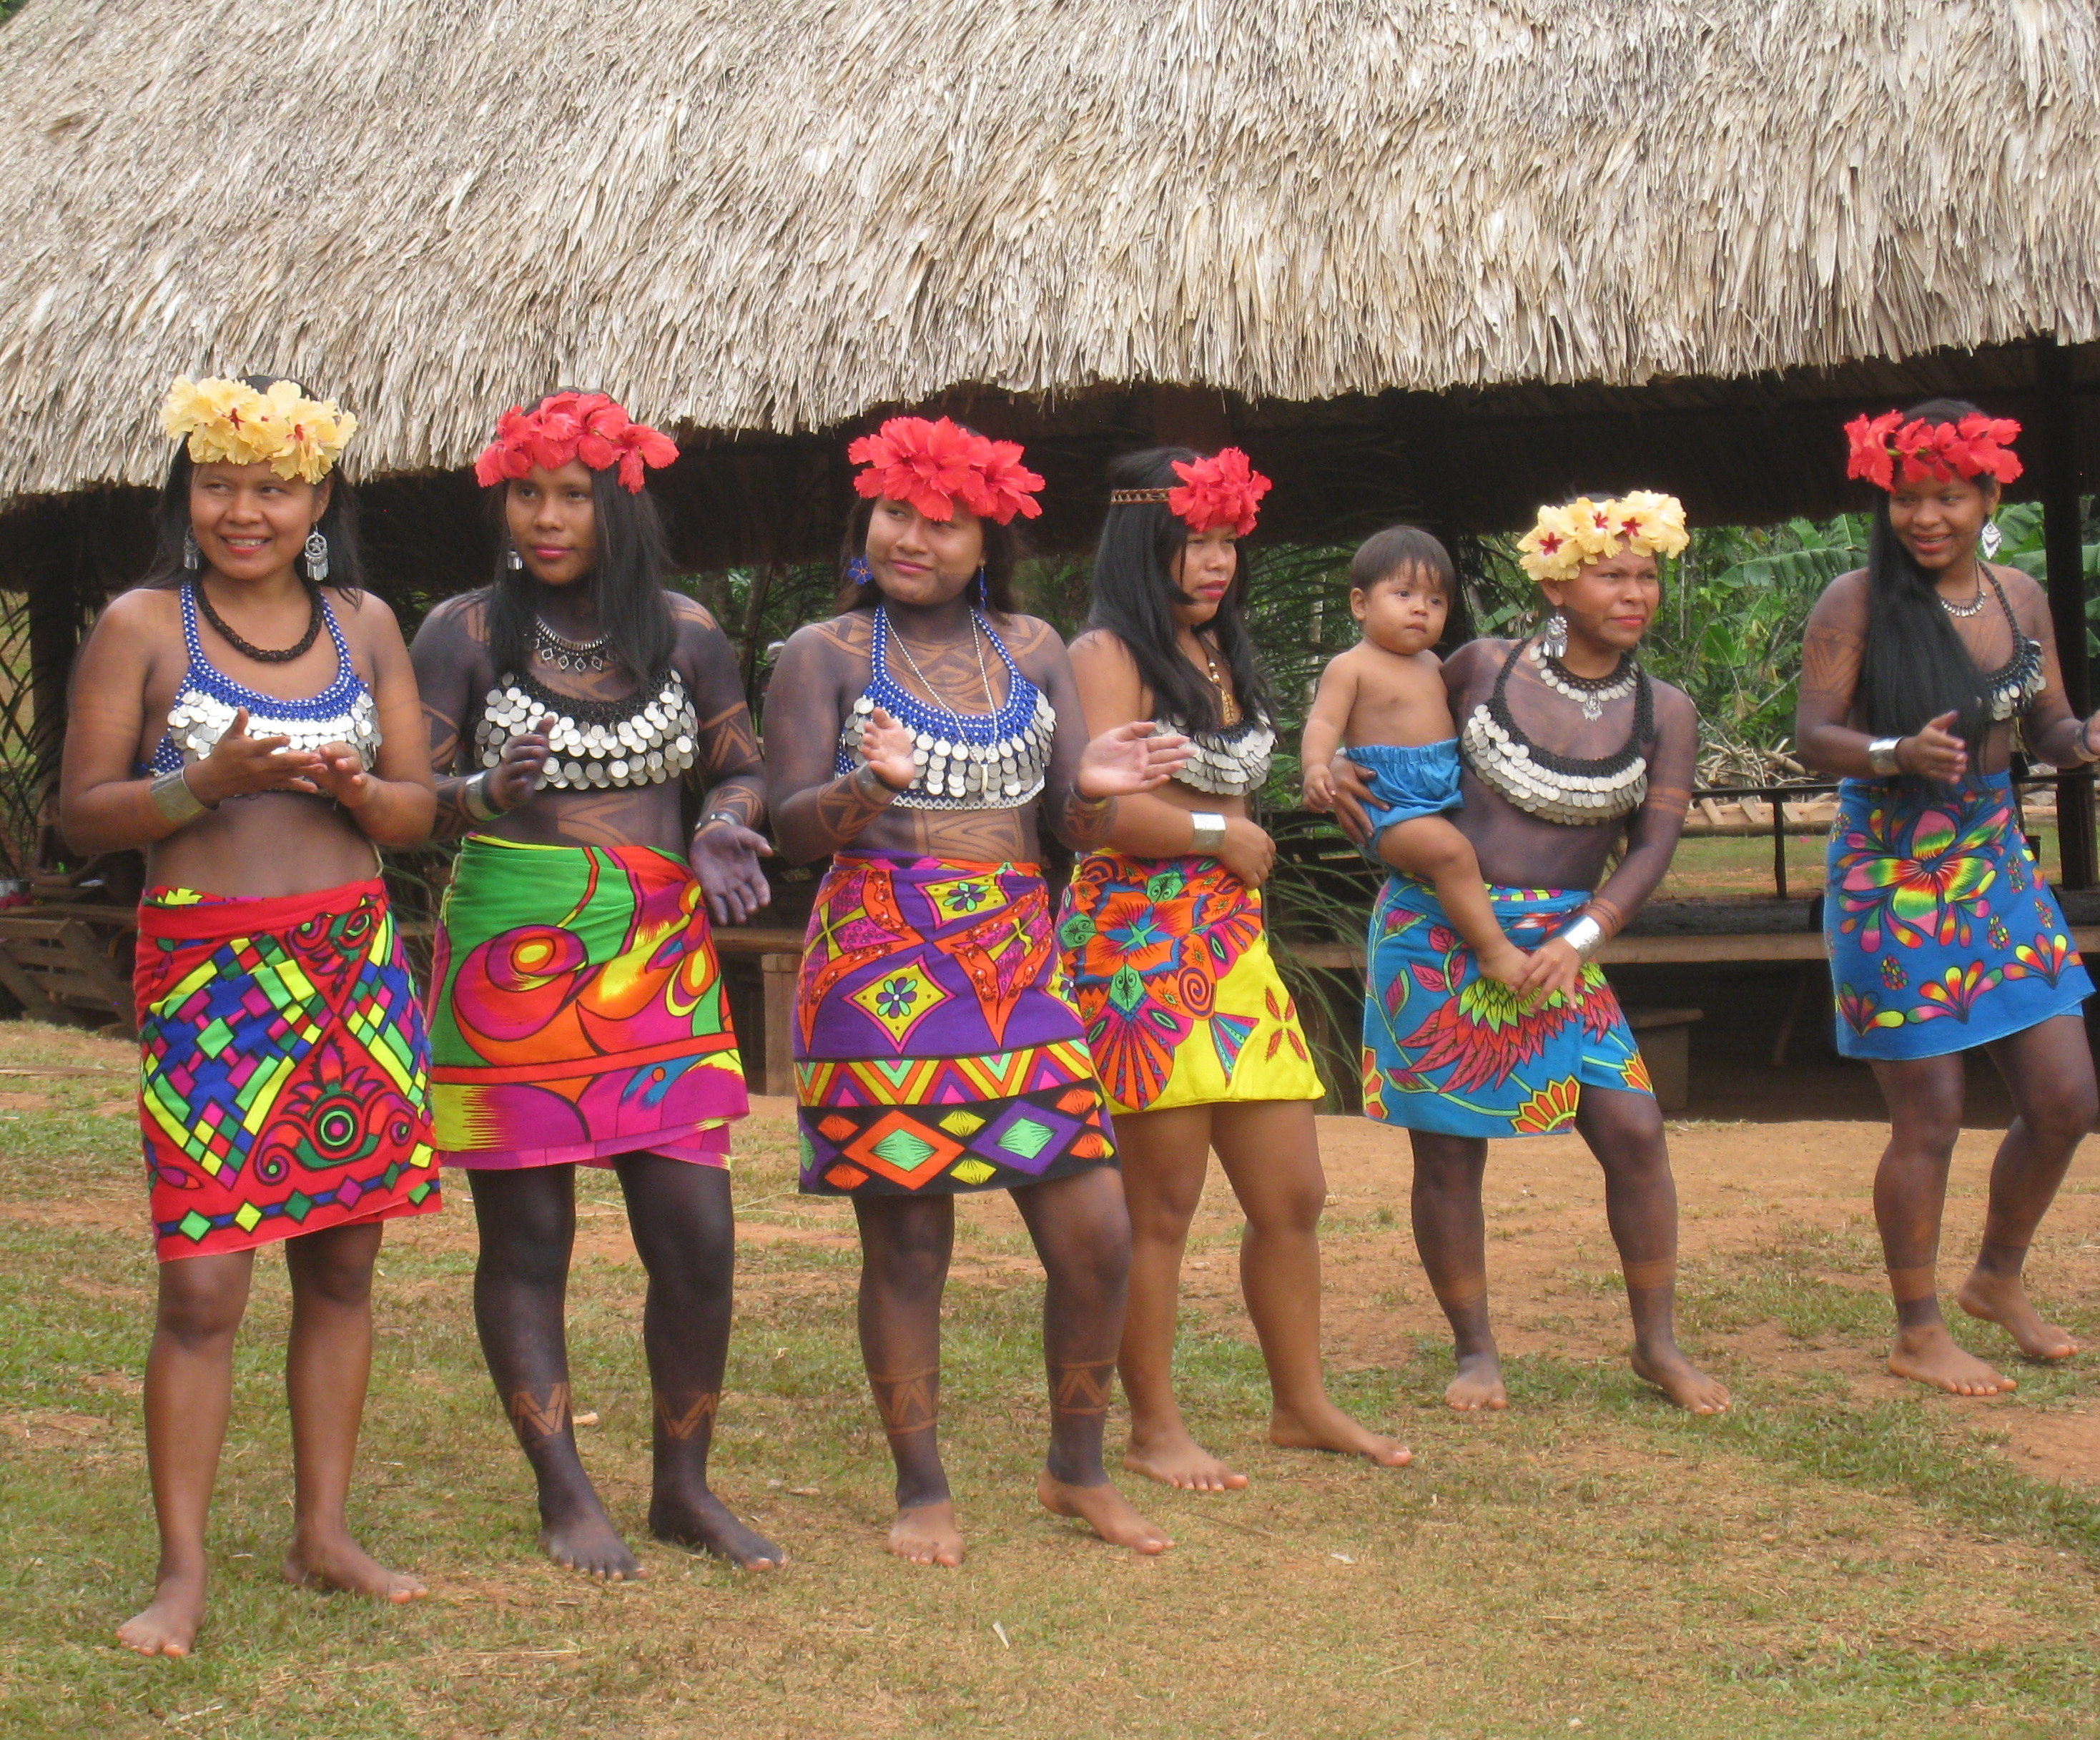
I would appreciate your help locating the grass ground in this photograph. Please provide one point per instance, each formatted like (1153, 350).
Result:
(1842, 1556)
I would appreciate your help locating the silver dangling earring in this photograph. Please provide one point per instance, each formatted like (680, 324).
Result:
(1553, 637)
(192, 557)
(511, 559)
(1990, 541)
(316, 555)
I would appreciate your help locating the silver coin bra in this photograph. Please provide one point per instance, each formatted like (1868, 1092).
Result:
(596, 743)
(1002, 773)
(1562, 789)
(198, 720)
(1227, 764)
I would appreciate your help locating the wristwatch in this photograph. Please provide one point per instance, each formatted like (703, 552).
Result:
(1882, 755)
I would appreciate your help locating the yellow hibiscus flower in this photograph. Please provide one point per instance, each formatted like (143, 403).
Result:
(1551, 550)
(1653, 524)
(228, 422)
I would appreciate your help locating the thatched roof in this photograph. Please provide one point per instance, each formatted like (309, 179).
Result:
(775, 215)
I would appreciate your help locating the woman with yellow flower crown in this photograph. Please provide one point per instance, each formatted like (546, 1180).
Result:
(1569, 749)
(254, 729)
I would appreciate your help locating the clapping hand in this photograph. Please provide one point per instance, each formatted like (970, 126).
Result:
(1935, 752)
(1131, 758)
(239, 765)
(516, 774)
(341, 776)
(886, 746)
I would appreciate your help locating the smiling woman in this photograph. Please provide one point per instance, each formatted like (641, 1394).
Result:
(1943, 936)
(284, 1064)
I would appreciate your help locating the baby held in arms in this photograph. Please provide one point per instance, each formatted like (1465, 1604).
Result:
(1384, 701)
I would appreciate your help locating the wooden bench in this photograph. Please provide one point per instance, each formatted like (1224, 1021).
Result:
(58, 959)
(1664, 1038)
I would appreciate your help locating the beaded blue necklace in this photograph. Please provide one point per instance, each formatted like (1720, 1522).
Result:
(989, 760)
(344, 712)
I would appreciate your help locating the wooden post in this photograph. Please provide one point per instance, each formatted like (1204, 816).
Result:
(2063, 546)
(778, 972)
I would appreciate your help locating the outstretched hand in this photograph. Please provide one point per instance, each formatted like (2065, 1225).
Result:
(239, 765)
(1131, 758)
(725, 856)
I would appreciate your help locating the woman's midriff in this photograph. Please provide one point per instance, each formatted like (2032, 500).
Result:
(273, 843)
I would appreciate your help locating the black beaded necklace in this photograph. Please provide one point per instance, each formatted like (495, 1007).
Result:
(1574, 790)
(248, 648)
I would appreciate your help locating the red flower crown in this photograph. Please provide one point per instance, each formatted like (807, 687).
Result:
(936, 465)
(562, 426)
(1224, 489)
(1886, 451)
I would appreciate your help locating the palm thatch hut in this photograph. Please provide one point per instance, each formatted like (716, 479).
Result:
(1443, 258)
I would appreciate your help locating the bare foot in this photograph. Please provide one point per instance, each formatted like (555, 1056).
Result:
(1173, 1459)
(1681, 1381)
(584, 1540)
(927, 1534)
(2003, 1300)
(1505, 965)
(1928, 1355)
(1478, 1385)
(700, 1519)
(1104, 1510)
(337, 1562)
(1329, 1428)
(169, 1625)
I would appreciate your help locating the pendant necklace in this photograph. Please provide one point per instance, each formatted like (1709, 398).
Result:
(1974, 605)
(566, 654)
(1588, 692)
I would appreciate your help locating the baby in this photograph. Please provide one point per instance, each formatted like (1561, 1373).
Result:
(1384, 700)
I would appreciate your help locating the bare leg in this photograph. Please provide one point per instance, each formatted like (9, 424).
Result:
(2049, 1067)
(527, 1221)
(1081, 1233)
(1924, 1096)
(1164, 1155)
(685, 1231)
(905, 1243)
(327, 1368)
(1270, 1150)
(189, 1394)
(1451, 1237)
(1430, 846)
(1624, 1131)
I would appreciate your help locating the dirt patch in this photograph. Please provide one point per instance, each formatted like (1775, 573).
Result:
(49, 1428)
(12, 1101)
(2061, 1444)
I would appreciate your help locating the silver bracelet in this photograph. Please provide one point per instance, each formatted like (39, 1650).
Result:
(2086, 753)
(174, 799)
(476, 801)
(1584, 936)
(1207, 834)
(718, 815)
(1882, 755)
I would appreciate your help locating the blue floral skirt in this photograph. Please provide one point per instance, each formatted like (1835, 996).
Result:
(1942, 935)
(1449, 1051)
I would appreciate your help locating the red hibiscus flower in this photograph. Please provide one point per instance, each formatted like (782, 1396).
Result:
(1222, 490)
(1886, 451)
(566, 427)
(935, 464)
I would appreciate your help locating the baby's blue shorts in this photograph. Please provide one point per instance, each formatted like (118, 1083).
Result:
(1407, 780)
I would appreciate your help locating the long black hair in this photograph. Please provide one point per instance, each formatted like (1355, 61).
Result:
(1134, 593)
(1002, 554)
(1914, 667)
(171, 522)
(626, 582)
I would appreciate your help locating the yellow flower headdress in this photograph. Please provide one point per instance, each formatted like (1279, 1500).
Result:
(231, 421)
(1583, 532)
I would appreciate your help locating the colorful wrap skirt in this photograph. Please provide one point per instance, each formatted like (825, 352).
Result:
(577, 1010)
(1183, 1006)
(936, 1050)
(284, 1068)
(1449, 1051)
(1942, 933)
